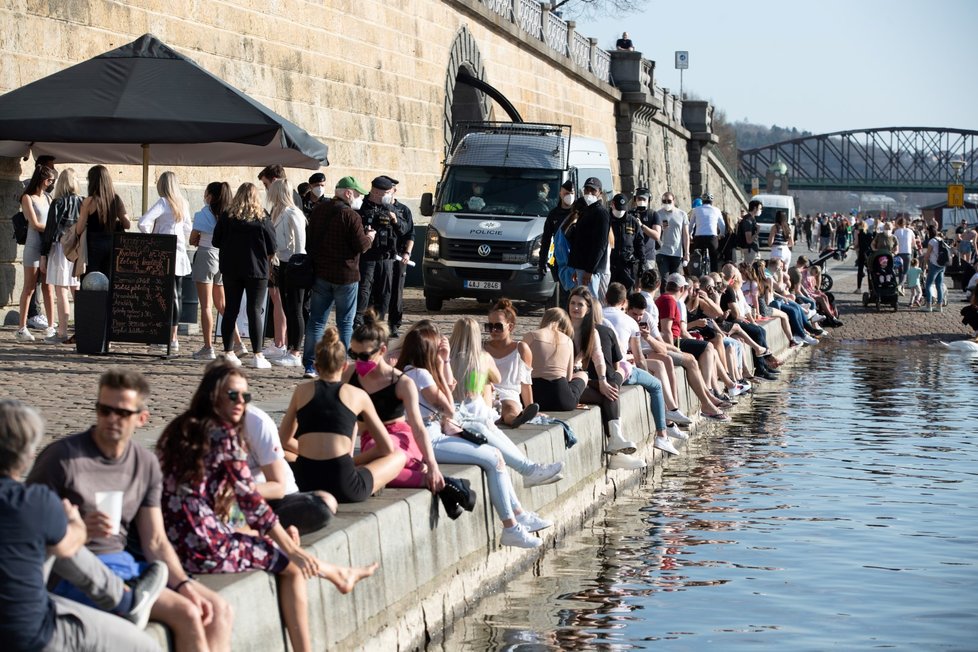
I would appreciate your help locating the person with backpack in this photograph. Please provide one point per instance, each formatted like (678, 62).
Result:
(747, 240)
(938, 257)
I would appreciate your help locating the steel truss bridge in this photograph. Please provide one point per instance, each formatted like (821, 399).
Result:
(906, 159)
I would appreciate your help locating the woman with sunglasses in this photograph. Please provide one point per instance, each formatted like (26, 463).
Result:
(320, 425)
(478, 372)
(35, 203)
(205, 471)
(395, 398)
(425, 358)
(515, 362)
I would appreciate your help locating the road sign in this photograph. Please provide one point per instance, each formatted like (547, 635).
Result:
(682, 59)
(955, 195)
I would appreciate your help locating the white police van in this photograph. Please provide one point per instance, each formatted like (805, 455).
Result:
(499, 183)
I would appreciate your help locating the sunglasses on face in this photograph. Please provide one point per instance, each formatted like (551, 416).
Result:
(363, 356)
(236, 396)
(666, 201)
(105, 410)
(495, 326)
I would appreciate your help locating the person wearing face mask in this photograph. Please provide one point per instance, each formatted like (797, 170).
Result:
(405, 245)
(589, 249)
(554, 219)
(334, 241)
(673, 251)
(747, 240)
(377, 263)
(316, 193)
(651, 226)
(628, 252)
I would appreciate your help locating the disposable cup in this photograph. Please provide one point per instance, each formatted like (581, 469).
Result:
(110, 502)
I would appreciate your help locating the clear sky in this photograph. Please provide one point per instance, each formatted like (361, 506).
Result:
(821, 66)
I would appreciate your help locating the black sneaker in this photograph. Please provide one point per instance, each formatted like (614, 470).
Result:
(145, 590)
(527, 414)
(457, 492)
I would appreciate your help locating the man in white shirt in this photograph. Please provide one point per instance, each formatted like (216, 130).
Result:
(707, 224)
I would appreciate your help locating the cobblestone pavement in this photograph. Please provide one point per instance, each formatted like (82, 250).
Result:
(62, 383)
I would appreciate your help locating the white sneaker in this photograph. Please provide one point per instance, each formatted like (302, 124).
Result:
(797, 340)
(616, 442)
(271, 351)
(23, 335)
(288, 360)
(809, 340)
(205, 353)
(518, 537)
(50, 331)
(240, 349)
(259, 362)
(674, 432)
(736, 390)
(174, 346)
(663, 444)
(746, 385)
(532, 522)
(625, 462)
(38, 322)
(232, 359)
(817, 319)
(543, 474)
(678, 416)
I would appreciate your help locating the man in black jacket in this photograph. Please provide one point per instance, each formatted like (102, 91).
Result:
(555, 218)
(405, 245)
(628, 251)
(377, 263)
(589, 248)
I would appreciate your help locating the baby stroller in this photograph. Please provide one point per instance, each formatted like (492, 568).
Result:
(820, 262)
(883, 287)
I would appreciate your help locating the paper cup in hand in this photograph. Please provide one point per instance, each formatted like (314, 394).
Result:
(110, 502)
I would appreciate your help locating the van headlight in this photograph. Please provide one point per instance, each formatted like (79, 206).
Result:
(535, 250)
(432, 247)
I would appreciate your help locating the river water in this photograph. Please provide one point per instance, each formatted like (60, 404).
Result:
(839, 511)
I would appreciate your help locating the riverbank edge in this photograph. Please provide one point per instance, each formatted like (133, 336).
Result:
(438, 569)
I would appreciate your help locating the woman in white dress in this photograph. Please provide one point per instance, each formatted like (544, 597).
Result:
(515, 364)
(58, 271)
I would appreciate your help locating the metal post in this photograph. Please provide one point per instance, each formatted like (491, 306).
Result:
(146, 180)
(681, 96)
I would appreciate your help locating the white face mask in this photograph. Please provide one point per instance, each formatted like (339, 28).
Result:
(642, 205)
(590, 199)
(542, 195)
(387, 200)
(617, 213)
(667, 207)
(357, 203)
(568, 199)
(317, 190)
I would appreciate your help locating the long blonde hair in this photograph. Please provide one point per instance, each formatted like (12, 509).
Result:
(169, 189)
(560, 320)
(467, 360)
(246, 204)
(279, 195)
(67, 184)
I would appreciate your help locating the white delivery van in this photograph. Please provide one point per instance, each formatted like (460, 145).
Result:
(772, 204)
(499, 183)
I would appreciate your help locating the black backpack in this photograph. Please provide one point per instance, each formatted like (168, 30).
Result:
(20, 227)
(943, 253)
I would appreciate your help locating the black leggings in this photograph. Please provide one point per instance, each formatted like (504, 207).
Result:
(708, 242)
(560, 395)
(292, 300)
(339, 476)
(610, 410)
(234, 289)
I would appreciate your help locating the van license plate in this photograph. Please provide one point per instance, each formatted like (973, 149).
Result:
(482, 285)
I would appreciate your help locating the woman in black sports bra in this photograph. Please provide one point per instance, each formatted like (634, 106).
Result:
(319, 427)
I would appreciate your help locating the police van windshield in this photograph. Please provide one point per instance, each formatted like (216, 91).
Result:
(500, 191)
(768, 214)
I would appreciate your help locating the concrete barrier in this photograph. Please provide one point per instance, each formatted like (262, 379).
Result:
(432, 568)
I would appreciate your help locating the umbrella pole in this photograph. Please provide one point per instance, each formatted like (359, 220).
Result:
(145, 178)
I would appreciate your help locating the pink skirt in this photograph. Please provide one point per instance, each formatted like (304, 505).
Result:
(412, 475)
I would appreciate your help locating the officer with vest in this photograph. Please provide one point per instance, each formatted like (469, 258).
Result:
(405, 245)
(651, 225)
(377, 263)
(628, 250)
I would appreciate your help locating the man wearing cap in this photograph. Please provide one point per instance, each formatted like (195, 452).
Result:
(589, 248)
(651, 225)
(317, 192)
(554, 219)
(335, 239)
(674, 243)
(405, 245)
(628, 250)
(708, 225)
(377, 263)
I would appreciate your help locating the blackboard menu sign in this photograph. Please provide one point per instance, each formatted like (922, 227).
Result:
(141, 295)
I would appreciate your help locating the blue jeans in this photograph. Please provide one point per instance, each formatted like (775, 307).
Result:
(324, 294)
(654, 389)
(594, 285)
(795, 317)
(935, 274)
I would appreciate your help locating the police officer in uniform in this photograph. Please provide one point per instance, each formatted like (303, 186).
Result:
(377, 263)
(651, 225)
(628, 251)
(405, 245)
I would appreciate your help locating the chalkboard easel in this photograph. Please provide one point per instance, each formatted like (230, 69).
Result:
(141, 291)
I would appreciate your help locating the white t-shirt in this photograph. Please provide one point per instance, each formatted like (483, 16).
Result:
(423, 379)
(904, 238)
(652, 312)
(624, 326)
(264, 446)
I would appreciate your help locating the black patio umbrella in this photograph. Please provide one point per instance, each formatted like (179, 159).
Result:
(145, 102)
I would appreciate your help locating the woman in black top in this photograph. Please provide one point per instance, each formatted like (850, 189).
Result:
(102, 214)
(247, 245)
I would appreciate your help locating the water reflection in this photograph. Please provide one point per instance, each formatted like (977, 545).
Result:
(841, 512)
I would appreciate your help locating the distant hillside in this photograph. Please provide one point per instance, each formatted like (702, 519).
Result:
(750, 136)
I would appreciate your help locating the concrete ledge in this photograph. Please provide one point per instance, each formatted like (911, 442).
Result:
(432, 568)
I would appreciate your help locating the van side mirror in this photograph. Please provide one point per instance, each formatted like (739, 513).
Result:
(427, 205)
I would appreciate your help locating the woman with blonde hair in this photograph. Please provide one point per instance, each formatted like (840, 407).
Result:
(58, 271)
(102, 214)
(247, 246)
(34, 204)
(170, 215)
(289, 225)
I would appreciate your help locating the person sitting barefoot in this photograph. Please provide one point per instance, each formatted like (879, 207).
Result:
(514, 362)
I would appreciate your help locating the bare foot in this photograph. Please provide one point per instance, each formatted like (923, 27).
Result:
(293, 532)
(344, 579)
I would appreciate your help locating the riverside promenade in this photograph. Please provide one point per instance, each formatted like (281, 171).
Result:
(432, 569)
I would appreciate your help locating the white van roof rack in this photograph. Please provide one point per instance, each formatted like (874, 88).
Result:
(523, 145)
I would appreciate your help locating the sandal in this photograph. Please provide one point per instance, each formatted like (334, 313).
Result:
(765, 353)
(719, 416)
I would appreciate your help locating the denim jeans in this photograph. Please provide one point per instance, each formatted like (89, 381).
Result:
(324, 294)
(795, 316)
(935, 274)
(654, 389)
(594, 285)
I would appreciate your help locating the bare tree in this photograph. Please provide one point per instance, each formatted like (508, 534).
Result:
(591, 8)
